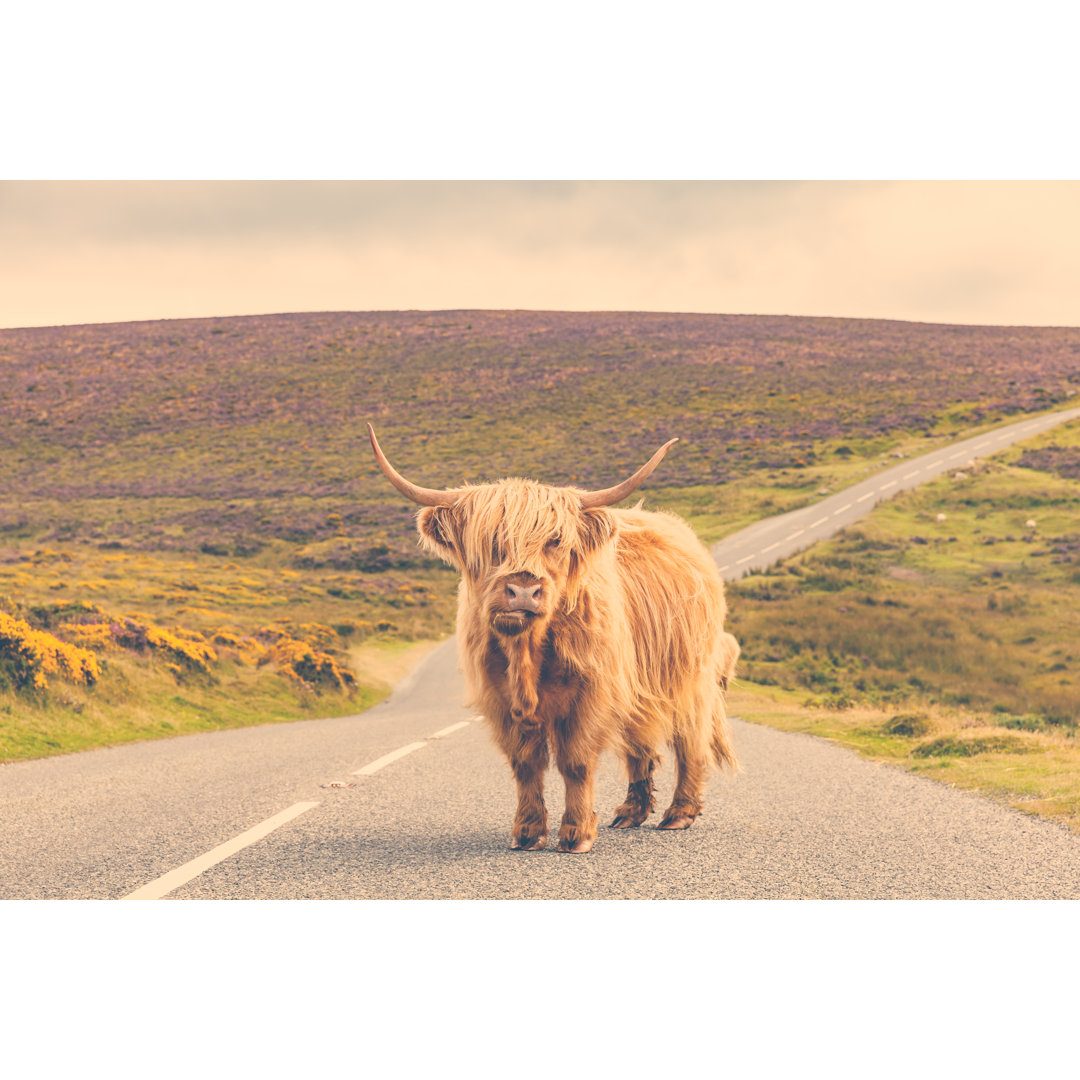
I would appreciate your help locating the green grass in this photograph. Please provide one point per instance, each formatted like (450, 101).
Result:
(140, 698)
(977, 610)
(212, 477)
(1037, 773)
(363, 621)
(968, 629)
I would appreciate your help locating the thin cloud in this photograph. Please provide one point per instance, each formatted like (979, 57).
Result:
(973, 252)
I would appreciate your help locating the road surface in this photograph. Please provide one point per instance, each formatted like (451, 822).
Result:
(411, 800)
(769, 541)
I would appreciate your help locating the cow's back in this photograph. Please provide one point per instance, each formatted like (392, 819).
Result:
(674, 598)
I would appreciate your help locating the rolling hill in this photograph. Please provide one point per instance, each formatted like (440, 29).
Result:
(193, 501)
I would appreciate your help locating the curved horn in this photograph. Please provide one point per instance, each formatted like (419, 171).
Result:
(421, 495)
(610, 496)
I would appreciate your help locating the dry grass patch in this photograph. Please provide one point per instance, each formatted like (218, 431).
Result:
(1037, 772)
(383, 664)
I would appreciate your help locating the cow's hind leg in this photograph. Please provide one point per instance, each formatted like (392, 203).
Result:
(639, 802)
(692, 770)
(529, 761)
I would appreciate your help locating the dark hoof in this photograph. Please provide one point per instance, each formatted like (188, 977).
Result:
(679, 821)
(576, 847)
(528, 843)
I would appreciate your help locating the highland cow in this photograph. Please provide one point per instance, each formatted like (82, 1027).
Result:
(582, 628)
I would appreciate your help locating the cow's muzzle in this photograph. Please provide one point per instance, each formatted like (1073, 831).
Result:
(520, 601)
(527, 597)
(511, 623)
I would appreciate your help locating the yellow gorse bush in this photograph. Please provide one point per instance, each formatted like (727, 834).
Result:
(29, 656)
(191, 650)
(297, 660)
(196, 654)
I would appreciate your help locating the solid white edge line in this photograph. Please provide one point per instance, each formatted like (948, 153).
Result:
(159, 887)
(450, 730)
(386, 759)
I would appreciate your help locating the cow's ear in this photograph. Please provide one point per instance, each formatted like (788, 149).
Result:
(597, 528)
(438, 532)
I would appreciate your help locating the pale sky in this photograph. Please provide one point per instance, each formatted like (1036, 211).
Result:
(982, 251)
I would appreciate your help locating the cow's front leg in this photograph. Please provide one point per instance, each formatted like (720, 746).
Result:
(529, 761)
(577, 833)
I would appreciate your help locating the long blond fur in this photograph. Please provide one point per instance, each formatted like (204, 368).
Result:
(630, 653)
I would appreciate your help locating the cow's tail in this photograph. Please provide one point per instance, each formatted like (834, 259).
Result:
(722, 750)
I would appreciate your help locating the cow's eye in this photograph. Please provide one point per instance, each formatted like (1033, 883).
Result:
(552, 543)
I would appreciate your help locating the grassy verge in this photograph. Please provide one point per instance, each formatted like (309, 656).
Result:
(944, 594)
(141, 697)
(956, 605)
(188, 641)
(1036, 772)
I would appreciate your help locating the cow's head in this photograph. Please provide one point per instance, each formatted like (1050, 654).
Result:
(522, 545)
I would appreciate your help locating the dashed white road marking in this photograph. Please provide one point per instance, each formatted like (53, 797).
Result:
(797, 532)
(386, 759)
(724, 567)
(846, 506)
(745, 558)
(891, 483)
(450, 730)
(819, 521)
(868, 495)
(159, 887)
(770, 547)
(979, 446)
(959, 453)
(908, 476)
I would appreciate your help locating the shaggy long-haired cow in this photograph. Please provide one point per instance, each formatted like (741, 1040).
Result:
(583, 628)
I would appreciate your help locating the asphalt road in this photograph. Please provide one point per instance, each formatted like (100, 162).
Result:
(425, 802)
(768, 541)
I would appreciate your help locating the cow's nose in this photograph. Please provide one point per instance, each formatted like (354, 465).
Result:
(524, 597)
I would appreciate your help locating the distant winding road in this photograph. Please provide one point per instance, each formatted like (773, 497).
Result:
(773, 539)
(411, 799)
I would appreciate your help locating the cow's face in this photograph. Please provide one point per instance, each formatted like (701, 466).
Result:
(522, 546)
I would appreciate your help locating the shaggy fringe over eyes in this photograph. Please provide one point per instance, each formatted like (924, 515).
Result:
(522, 525)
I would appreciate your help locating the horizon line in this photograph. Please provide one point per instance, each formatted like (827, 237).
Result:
(539, 311)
